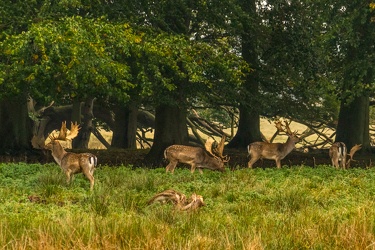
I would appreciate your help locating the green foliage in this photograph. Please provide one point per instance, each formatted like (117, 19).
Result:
(349, 43)
(175, 69)
(73, 57)
(313, 208)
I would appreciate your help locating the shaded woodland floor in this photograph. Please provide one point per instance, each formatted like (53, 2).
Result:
(238, 158)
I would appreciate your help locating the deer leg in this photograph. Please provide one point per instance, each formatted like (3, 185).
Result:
(171, 166)
(252, 161)
(91, 178)
(343, 162)
(193, 168)
(68, 174)
(92, 171)
(335, 163)
(278, 163)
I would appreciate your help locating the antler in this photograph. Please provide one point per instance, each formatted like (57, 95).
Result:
(354, 149)
(220, 148)
(63, 134)
(196, 202)
(218, 151)
(74, 129)
(286, 130)
(208, 146)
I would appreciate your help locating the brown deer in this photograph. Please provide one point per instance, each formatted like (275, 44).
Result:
(168, 196)
(338, 154)
(70, 163)
(273, 151)
(196, 157)
(178, 200)
(195, 202)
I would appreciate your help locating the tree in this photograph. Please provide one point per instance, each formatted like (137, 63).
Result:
(352, 33)
(249, 119)
(279, 41)
(69, 59)
(179, 71)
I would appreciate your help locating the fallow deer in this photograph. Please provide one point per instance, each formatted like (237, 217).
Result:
(273, 151)
(168, 196)
(196, 157)
(338, 154)
(178, 200)
(71, 163)
(195, 202)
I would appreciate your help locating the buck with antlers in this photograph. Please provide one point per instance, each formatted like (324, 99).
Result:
(197, 157)
(70, 163)
(273, 151)
(338, 154)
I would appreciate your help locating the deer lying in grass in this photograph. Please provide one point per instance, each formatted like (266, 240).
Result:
(338, 154)
(178, 200)
(197, 157)
(195, 202)
(70, 163)
(273, 151)
(168, 196)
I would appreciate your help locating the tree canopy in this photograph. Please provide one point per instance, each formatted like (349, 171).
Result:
(297, 59)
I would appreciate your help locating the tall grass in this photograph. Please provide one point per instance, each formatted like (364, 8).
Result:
(289, 208)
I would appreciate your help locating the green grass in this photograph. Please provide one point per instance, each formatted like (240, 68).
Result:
(289, 208)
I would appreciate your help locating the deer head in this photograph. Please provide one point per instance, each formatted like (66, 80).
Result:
(286, 129)
(217, 151)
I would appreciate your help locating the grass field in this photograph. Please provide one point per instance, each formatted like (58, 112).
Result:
(289, 208)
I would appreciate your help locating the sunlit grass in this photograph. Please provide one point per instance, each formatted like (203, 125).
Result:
(289, 208)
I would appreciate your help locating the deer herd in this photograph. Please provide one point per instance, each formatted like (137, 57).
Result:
(210, 157)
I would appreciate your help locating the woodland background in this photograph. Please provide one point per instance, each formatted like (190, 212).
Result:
(184, 70)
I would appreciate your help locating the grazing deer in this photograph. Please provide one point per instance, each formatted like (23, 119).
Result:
(70, 163)
(196, 157)
(338, 154)
(273, 151)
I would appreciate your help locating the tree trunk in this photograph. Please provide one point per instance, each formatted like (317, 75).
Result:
(83, 138)
(248, 129)
(125, 127)
(76, 111)
(170, 128)
(16, 126)
(353, 124)
(249, 119)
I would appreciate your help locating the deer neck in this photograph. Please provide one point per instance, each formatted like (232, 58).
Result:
(58, 152)
(289, 145)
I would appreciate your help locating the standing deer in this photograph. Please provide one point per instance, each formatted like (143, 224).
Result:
(273, 151)
(196, 157)
(70, 163)
(338, 154)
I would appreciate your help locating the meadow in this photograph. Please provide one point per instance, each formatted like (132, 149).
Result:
(290, 208)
